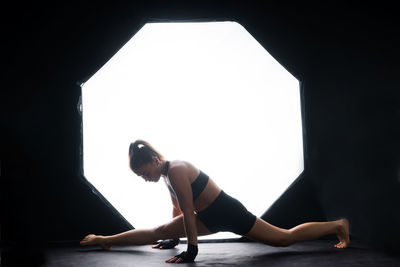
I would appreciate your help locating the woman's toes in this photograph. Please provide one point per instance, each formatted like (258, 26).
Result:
(87, 239)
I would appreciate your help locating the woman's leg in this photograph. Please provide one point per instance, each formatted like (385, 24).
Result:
(173, 229)
(271, 235)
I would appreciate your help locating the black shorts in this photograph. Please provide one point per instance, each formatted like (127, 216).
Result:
(227, 214)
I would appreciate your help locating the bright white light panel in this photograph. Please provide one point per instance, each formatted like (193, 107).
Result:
(207, 93)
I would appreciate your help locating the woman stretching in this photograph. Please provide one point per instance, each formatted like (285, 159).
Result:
(202, 208)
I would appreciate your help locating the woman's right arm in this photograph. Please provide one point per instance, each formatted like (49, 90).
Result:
(176, 211)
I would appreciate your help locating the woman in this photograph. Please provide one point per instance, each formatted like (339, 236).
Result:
(202, 208)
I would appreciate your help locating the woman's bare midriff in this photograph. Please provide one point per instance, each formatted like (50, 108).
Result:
(209, 194)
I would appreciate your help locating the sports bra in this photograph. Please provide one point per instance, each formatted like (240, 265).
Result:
(198, 184)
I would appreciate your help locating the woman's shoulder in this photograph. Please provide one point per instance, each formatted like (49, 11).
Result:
(180, 165)
(182, 168)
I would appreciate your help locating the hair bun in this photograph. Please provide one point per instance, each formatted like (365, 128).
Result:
(141, 152)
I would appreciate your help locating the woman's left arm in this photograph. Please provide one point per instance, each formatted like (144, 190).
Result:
(181, 185)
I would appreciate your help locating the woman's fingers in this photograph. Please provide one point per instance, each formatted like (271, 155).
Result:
(171, 260)
(167, 244)
(156, 246)
(174, 260)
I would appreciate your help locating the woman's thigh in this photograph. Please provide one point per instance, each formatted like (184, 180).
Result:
(269, 234)
(176, 228)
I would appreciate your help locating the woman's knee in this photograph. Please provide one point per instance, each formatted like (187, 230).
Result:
(286, 239)
(172, 229)
(282, 241)
(270, 235)
(159, 232)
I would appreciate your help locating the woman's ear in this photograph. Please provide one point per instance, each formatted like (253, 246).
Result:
(156, 160)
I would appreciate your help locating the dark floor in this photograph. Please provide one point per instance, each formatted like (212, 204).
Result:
(313, 253)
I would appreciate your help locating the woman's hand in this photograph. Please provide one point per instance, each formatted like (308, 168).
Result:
(186, 256)
(167, 244)
(174, 260)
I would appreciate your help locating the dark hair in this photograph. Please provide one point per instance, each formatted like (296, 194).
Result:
(140, 153)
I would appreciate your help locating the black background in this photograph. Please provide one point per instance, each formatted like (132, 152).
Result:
(345, 55)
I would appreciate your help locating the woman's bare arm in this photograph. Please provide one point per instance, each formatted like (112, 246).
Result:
(181, 185)
(176, 211)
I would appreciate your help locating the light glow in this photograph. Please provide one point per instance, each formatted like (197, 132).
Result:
(207, 93)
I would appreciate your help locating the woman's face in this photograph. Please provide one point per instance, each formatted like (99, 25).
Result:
(150, 172)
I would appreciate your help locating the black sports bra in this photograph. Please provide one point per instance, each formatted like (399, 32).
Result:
(198, 184)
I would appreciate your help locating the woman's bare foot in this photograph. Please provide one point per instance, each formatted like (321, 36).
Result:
(343, 234)
(95, 240)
